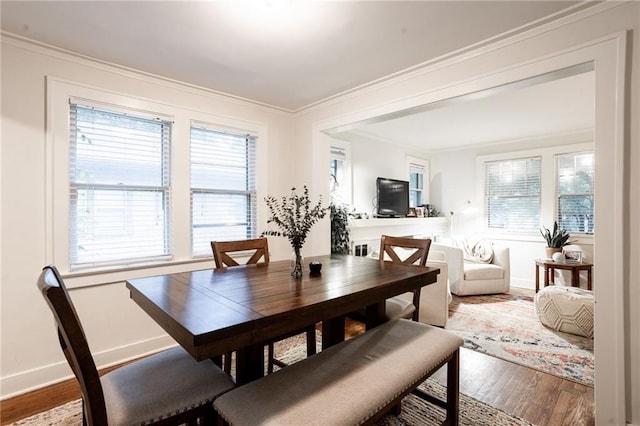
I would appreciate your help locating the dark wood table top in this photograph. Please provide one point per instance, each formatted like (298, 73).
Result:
(214, 311)
(563, 264)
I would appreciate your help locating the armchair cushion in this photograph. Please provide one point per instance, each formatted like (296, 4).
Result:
(480, 271)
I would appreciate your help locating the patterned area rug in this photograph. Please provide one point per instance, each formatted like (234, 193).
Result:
(414, 410)
(506, 326)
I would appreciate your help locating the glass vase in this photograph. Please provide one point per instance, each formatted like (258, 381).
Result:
(295, 263)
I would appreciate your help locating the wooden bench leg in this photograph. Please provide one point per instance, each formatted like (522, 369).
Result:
(396, 410)
(453, 390)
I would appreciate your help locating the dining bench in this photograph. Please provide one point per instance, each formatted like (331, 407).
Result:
(354, 382)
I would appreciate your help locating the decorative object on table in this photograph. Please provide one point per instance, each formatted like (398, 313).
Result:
(555, 240)
(340, 238)
(558, 257)
(315, 268)
(294, 216)
(419, 211)
(430, 210)
(573, 255)
(412, 212)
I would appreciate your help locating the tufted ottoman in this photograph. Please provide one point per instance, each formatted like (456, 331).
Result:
(566, 309)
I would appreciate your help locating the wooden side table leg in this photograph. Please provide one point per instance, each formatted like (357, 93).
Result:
(575, 278)
(537, 277)
(589, 279)
(551, 277)
(546, 276)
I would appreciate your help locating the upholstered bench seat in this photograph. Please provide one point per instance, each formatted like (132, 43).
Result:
(566, 309)
(354, 382)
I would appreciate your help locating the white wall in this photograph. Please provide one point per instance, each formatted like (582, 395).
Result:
(574, 40)
(117, 329)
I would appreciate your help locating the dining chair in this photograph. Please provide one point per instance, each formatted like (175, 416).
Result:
(260, 247)
(169, 387)
(407, 251)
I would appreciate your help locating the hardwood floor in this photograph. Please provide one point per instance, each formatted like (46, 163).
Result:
(537, 397)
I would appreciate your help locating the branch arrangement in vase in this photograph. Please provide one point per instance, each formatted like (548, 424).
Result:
(294, 216)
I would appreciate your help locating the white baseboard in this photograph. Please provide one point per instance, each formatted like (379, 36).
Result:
(30, 380)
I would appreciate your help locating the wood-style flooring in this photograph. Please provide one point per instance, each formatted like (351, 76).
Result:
(537, 397)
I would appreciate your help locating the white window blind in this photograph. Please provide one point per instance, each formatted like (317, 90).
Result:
(416, 184)
(512, 194)
(574, 189)
(223, 187)
(119, 187)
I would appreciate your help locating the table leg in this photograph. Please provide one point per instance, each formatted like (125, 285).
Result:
(217, 360)
(551, 277)
(332, 331)
(589, 279)
(537, 278)
(375, 315)
(575, 278)
(249, 364)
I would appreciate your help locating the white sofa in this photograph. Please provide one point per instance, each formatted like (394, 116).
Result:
(434, 298)
(467, 279)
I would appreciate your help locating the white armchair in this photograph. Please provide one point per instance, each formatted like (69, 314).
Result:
(434, 298)
(467, 279)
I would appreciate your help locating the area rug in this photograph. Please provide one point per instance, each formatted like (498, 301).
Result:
(414, 411)
(506, 326)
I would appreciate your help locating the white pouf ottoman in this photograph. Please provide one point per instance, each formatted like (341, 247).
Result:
(566, 309)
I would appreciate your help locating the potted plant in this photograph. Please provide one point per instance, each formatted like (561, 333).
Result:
(556, 239)
(339, 214)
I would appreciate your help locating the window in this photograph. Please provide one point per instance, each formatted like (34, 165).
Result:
(512, 194)
(223, 187)
(574, 190)
(418, 171)
(340, 170)
(416, 184)
(119, 187)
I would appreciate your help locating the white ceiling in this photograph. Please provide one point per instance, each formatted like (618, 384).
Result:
(291, 54)
(285, 53)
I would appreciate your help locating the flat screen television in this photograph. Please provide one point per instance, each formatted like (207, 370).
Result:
(393, 197)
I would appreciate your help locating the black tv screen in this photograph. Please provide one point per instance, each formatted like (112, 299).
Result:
(393, 197)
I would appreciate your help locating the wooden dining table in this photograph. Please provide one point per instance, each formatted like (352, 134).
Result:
(216, 311)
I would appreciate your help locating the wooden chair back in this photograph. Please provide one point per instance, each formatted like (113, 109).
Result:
(421, 246)
(222, 248)
(74, 344)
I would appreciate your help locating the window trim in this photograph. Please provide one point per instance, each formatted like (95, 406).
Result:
(56, 182)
